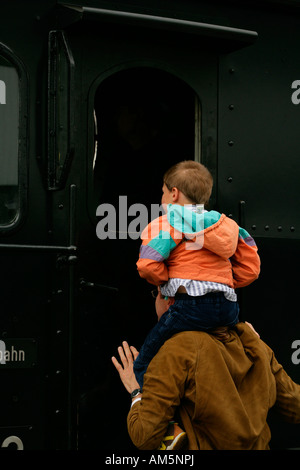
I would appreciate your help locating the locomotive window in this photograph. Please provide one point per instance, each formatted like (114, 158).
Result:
(9, 142)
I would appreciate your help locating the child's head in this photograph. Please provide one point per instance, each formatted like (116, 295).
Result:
(191, 178)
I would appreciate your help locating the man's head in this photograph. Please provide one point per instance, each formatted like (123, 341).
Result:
(191, 178)
(161, 303)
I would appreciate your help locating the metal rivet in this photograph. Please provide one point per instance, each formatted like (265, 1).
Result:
(279, 228)
(229, 179)
(292, 229)
(232, 70)
(267, 227)
(253, 227)
(231, 107)
(230, 143)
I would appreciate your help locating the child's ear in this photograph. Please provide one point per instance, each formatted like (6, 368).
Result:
(175, 194)
(171, 301)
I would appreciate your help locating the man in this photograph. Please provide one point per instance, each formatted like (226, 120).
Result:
(222, 386)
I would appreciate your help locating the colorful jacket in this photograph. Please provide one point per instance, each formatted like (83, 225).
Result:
(205, 247)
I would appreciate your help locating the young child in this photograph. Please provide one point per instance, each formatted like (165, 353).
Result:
(197, 258)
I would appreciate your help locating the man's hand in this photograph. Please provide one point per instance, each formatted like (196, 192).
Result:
(127, 356)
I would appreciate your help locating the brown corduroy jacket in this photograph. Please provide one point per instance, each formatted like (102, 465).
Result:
(222, 390)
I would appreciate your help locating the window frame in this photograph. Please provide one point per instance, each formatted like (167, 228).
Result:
(16, 62)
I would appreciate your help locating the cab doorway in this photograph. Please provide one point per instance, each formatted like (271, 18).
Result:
(146, 120)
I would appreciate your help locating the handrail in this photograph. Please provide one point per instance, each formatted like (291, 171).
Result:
(165, 23)
(53, 248)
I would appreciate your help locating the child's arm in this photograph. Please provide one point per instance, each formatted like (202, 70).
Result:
(153, 271)
(159, 239)
(245, 261)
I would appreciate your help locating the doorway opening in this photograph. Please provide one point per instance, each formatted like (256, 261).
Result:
(146, 120)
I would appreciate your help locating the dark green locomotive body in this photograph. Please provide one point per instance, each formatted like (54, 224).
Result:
(97, 100)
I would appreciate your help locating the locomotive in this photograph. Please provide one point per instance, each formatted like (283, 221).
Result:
(97, 99)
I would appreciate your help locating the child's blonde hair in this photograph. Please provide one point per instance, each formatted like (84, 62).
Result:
(193, 179)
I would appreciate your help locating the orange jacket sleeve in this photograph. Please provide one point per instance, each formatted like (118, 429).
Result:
(158, 240)
(245, 261)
